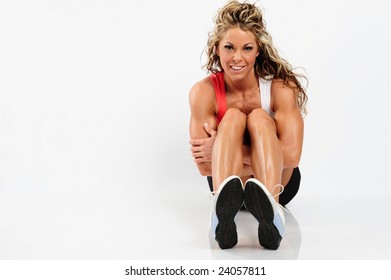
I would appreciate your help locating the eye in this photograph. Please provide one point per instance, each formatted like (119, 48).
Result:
(228, 47)
(248, 49)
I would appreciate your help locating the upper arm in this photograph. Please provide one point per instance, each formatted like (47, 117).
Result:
(202, 109)
(289, 122)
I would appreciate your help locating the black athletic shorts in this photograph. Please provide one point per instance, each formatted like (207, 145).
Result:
(290, 189)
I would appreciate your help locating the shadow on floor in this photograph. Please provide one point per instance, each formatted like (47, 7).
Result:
(248, 245)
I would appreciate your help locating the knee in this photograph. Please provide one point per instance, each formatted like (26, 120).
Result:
(258, 120)
(233, 118)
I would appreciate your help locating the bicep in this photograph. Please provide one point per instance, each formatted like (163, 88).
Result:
(201, 112)
(290, 127)
(197, 122)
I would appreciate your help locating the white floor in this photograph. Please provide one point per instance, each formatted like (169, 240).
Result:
(172, 222)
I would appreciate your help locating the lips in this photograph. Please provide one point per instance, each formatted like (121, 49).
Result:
(236, 68)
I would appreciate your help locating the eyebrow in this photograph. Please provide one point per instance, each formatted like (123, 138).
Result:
(250, 43)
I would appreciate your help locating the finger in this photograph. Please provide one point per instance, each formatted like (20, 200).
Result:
(195, 142)
(194, 149)
(209, 130)
(197, 151)
(197, 155)
(202, 160)
(199, 160)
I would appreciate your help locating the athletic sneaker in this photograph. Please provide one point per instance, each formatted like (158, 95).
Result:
(227, 202)
(262, 205)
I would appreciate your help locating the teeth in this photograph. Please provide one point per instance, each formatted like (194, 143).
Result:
(237, 67)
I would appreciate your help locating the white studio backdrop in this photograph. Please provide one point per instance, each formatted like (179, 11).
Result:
(94, 95)
(94, 91)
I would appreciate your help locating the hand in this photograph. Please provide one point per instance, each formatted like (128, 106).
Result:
(201, 149)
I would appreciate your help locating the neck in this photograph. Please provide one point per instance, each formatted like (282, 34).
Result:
(248, 83)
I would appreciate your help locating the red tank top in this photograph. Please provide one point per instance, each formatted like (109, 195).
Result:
(218, 84)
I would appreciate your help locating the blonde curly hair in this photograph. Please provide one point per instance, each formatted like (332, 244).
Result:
(248, 17)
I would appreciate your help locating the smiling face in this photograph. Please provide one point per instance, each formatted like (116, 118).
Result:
(238, 50)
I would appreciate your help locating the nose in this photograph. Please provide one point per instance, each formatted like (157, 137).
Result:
(237, 56)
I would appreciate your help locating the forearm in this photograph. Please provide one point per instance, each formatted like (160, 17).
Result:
(205, 168)
(291, 154)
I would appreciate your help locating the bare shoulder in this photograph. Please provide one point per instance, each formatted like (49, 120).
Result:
(203, 87)
(202, 93)
(283, 96)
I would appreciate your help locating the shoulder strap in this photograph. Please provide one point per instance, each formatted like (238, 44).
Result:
(265, 87)
(218, 84)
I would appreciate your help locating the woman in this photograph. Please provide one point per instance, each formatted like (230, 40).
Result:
(246, 125)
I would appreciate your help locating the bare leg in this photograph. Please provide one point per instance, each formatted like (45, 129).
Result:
(266, 154)
(286, 176)
(227, 157)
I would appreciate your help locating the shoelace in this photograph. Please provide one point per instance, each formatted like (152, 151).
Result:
(212, 194)
(281, 189)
